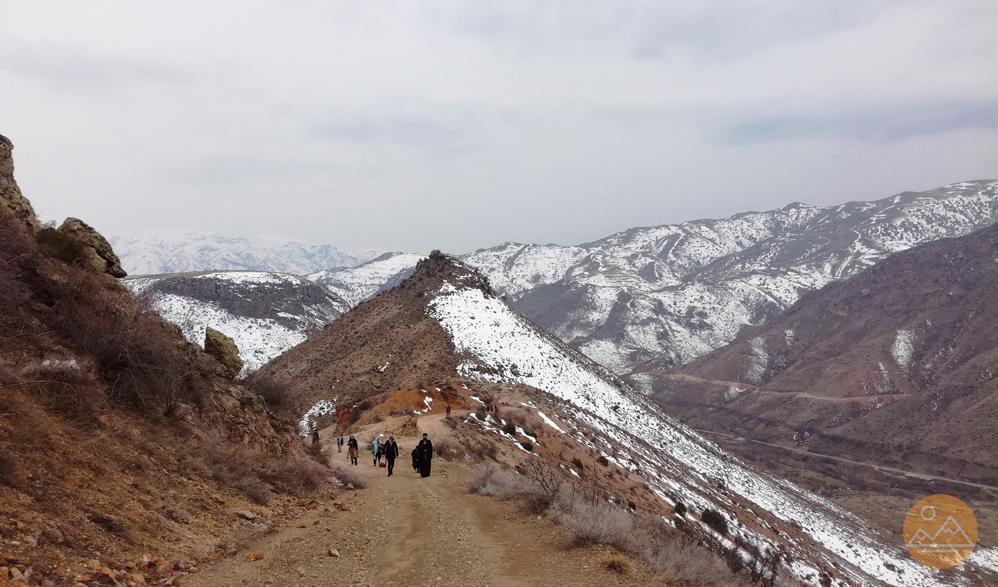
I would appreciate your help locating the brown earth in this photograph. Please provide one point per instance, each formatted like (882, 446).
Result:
(383, 344)
(834, 387)
(123, 456)
(406, 530)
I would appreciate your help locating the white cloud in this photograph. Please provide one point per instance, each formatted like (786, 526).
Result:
(460, 124)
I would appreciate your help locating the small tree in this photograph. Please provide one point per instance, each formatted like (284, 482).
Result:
(715, 520)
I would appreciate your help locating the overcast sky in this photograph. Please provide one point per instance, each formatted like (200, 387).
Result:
(413, 125)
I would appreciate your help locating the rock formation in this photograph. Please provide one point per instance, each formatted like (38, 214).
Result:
(11, 200)
(224, 350)
(98, 252)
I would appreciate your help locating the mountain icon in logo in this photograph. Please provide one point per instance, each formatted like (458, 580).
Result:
(940, 531)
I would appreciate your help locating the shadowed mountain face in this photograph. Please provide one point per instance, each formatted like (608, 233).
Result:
(897, 364)
(265, 313)
(674, 293)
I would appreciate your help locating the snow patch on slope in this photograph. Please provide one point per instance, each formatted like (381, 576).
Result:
(903, 350)
(259, 340)
(502, 347)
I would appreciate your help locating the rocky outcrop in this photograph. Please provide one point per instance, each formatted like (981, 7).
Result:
(224, 350)
(11, 200)
(98, 253)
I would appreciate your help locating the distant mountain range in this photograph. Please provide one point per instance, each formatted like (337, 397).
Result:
(895, 365)
(177, 251)
(659, 297)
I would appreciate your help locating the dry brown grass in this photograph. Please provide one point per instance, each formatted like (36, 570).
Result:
(8, 471)
(593, 521)
(303, 474)
(446, 448)
(349, 475)
(616, 564)
(275, 392)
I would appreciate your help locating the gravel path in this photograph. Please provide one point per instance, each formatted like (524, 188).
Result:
(406, 530)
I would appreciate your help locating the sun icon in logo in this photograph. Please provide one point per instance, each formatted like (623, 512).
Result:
(940, 531)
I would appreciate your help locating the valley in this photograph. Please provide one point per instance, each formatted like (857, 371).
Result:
(544, 452)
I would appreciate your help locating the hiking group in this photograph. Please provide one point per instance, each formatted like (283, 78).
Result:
(385, 452)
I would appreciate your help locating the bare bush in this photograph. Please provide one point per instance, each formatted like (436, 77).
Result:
(303, 474)
(592, 522)
(350, 476)
(616, 564)
(224, 461)
(8, 472)
(254, 488)
(490, 479)
(276, 393)
(446, 449)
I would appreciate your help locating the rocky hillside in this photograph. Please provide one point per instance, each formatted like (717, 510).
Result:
(178, 251)
(897, 364)
(676, 292)
(669, 294)
(265, 313)
(443, 335)
(125, 452)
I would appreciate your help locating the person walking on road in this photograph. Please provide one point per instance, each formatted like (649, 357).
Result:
(376, 450)
(339, 443)
(391, 451)
(425, 448)
(353, 449)
(315, 437)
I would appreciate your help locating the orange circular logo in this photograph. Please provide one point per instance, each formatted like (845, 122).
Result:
(940, 531)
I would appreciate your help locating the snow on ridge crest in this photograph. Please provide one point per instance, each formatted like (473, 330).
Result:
(503, 347)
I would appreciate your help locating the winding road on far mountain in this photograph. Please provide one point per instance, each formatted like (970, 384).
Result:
(405, 530)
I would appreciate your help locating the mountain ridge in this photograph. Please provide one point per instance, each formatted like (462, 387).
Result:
(443, 335)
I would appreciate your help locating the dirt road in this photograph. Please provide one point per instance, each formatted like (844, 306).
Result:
(406, 530)
(913, 474)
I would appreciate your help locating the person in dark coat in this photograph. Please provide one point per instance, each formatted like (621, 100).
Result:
(415, 459)
(425, 448)
(315, 436)
(391, 452)
(353, 449)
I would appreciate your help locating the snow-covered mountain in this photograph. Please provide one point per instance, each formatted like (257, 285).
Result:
(356, 284)
(444, 328)
(676, 292)
(176, 251)
(265, 313)
(672, 293)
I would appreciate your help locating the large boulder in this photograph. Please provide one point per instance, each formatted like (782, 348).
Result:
(224, 350)
(98, 253)
(11, 200)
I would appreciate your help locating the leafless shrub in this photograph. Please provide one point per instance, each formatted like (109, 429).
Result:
(446, 449)
(252, 487)
(616, 564)
(67, 389)
(8, 471)
(303, 474)
(481, 449)
(546, 478)
(349, 475)
(314, 450)
(490, 479)
(276, 393)
(592, 522)
(139, 362)
(225, 461)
